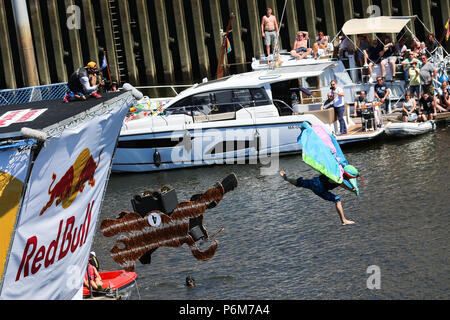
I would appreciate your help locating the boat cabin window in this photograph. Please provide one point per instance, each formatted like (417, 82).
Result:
(242, 97)
(259, 96)
(310, 83)
(219, 102)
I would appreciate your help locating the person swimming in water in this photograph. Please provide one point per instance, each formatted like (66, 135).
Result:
(190, 282)
(321, 186)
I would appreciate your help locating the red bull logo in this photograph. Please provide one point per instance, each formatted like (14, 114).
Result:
(73, 182)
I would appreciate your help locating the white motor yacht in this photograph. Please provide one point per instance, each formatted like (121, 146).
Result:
(239, 119)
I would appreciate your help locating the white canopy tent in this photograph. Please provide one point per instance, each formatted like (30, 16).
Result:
(383, 24)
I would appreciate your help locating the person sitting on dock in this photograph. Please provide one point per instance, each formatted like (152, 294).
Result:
(428, 103)
(409, 108)
(80, 83)
(300, 48)
(444, 101)
(382, 93)
(359, 102)
(444, 87)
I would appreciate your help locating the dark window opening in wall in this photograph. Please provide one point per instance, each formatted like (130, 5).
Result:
(321, 25)
(137, 49)
(360, 12)
(172, 22)
(210, 41)
(339, 13)
(67, 50)
(99, 29)
(301, 17)
(439, 25)
(189, 16)
(226, 12)
(419, 29)
(84, 44)
(157, 52)
(246, 37)
(15, 52)
(47, 30)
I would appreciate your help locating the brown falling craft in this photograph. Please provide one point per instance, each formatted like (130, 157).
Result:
(142, 234)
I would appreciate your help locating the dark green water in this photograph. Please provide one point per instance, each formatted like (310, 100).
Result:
(281, 242)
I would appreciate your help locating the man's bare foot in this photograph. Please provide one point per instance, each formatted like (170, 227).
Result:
(347, 222)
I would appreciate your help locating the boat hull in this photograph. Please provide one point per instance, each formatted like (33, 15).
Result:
(261, 144)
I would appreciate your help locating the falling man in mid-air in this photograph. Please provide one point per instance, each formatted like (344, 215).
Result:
(322, 152)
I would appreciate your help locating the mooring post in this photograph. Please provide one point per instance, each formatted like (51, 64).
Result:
(39, 42)
(57, 41)
(236, 36)
(163, 31)
(146, 42)
(89, 24)
(5, 50)
(200, 38)
(330, 20)
(25, 42)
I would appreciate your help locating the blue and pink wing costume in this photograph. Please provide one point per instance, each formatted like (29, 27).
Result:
(322, 152)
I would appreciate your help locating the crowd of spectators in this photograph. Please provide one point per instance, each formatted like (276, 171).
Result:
(419, 73)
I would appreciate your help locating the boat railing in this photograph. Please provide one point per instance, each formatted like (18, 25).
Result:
(173, 88)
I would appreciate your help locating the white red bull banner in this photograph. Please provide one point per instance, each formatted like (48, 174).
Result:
(61, 206)
(14, 164)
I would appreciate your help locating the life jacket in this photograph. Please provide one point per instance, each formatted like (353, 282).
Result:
(74, 82)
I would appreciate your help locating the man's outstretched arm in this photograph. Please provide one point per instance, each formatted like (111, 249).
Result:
(285, 177)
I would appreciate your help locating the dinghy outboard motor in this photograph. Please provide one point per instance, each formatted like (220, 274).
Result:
(166, 200)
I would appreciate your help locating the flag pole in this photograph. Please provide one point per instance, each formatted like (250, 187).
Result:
(107, 65)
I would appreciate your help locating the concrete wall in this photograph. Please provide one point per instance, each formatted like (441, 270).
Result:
(156, 42)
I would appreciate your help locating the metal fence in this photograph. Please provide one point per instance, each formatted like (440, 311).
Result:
(33, 94)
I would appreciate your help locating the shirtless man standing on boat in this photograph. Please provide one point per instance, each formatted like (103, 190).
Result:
(269, 29)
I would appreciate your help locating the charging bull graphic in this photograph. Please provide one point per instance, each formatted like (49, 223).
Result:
(73, 182)
(156, 229)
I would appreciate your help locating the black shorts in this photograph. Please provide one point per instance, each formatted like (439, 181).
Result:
(427, 111)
